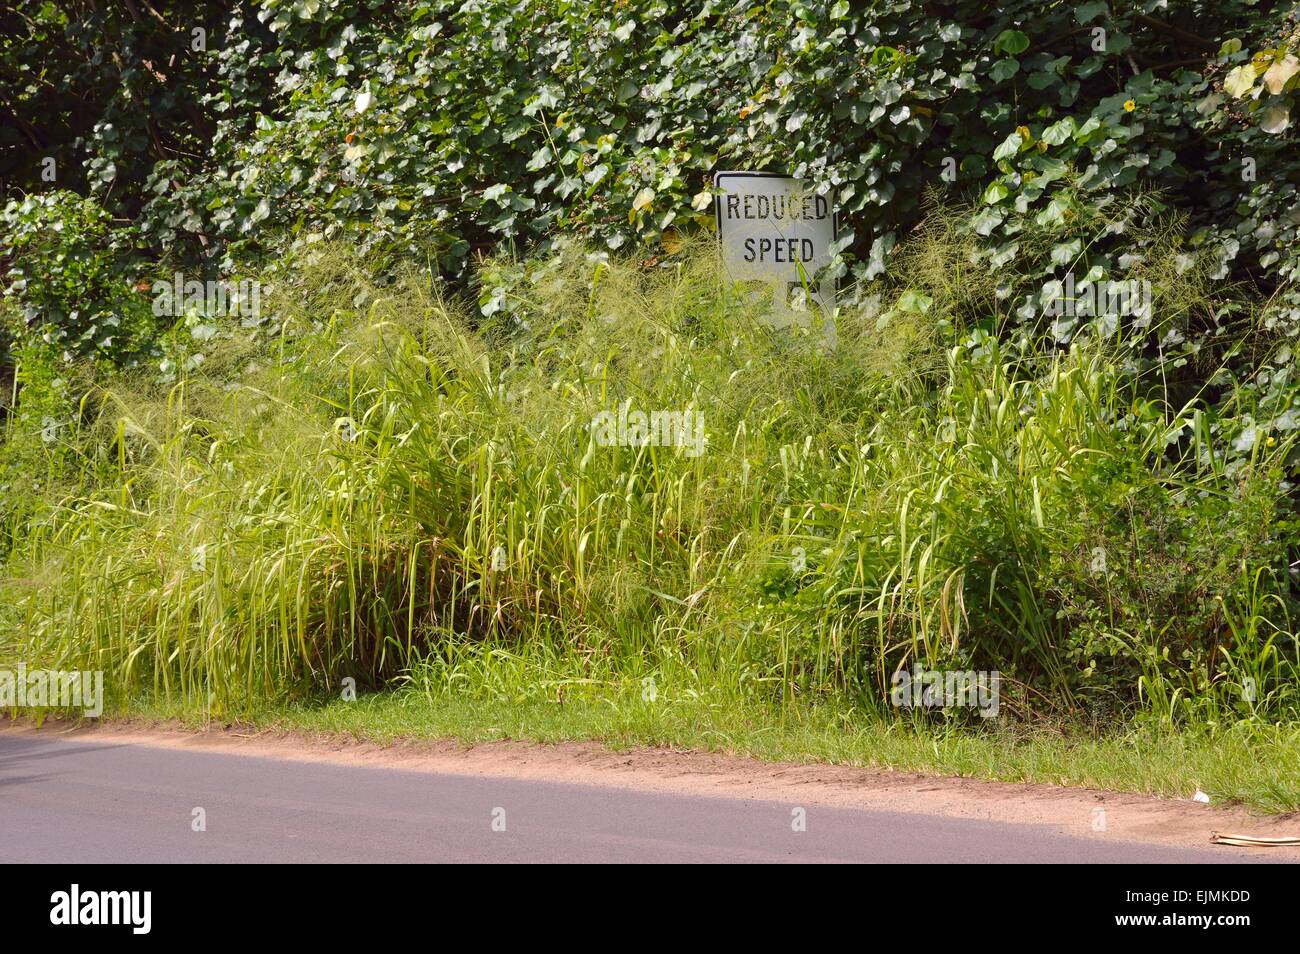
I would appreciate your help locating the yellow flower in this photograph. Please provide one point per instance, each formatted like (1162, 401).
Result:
(1025, 134)
(1271, 441)
(745, 111)
(1129, 105)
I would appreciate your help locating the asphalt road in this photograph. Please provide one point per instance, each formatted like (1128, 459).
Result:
(68, 801)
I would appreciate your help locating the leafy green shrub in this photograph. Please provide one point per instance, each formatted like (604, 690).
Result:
(73, 279)
(117, 101)
(1071, 131)
(449, 131)
(437, 133)
(1155, 570)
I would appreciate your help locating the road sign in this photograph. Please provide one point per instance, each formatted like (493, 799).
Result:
(774, 230)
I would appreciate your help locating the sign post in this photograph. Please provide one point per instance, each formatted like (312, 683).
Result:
(773, 230)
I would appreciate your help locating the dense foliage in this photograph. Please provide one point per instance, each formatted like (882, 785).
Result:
(1100, 504)
(437, 130)
(394, 488)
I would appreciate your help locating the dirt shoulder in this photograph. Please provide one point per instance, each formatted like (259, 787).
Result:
(1074, 811)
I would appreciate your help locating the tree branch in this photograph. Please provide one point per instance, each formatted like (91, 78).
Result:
(1178, 33)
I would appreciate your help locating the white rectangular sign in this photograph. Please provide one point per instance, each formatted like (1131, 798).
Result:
(775, 231)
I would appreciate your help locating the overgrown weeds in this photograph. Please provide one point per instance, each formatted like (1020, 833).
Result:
(385, 490)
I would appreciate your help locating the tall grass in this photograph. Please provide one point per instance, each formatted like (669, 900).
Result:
(385, 490)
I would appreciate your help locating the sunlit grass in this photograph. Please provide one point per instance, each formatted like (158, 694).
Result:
(386, 491)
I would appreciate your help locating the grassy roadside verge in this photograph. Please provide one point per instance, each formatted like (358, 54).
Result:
(1248, 765)
(470, 518)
